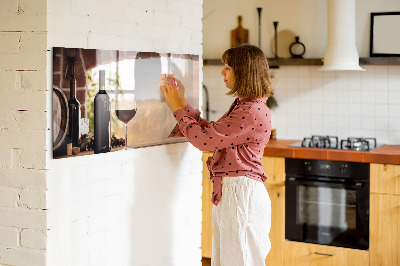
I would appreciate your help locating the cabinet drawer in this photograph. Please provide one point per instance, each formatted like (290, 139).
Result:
(305, 254)
(385, 178)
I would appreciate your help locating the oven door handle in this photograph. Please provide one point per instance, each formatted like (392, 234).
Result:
(357, 185)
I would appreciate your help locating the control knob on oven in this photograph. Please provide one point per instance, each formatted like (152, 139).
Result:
(343, 168)
(308, 166)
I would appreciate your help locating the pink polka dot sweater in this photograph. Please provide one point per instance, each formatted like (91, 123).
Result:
(238, 139)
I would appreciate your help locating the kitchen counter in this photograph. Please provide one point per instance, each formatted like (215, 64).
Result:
(389, 154)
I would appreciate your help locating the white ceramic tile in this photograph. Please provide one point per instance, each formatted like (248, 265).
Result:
(303, 82)
(316, 72)
(329, 122)
(394, 83)
(382, 136)
(342, 109)
(367, 122)
(381, 97)
(355, 122)
(329, 109)
(394, 97)
(367, 110)
(342, 122)
(304, 72)
(381, 123)
(291, 71)
(380, 71)
(354, 82)
(381, 110)
(367, 96)
(367, 133)
(367, 83)
(394, 137)
(329, 94)
(381, 84)
(394, 110)
(342, 96)
(355, 132)
(355, 109)
(394, 70)
(394, 123)
(317, 107)
(292, 82)
(355, 96)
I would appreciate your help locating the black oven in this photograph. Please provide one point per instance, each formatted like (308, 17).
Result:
(327, 202)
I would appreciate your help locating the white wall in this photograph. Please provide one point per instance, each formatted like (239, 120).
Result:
(344, 103)
(135, 207)
(23, 132)
(305, 18)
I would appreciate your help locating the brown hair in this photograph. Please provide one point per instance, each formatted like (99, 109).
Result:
(250, 66)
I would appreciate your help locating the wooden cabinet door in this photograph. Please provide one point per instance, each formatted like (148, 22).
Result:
(384, 236)
(277, 233)
(385, 178)
(274, 168)
(305, 254)
(206, 226)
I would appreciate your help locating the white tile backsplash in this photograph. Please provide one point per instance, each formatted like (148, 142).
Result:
(314, 102)
(343, 103)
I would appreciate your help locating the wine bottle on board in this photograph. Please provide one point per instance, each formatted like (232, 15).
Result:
(74, 109)
(102, 122)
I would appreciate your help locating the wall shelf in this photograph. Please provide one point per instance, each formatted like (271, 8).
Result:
(274, 63)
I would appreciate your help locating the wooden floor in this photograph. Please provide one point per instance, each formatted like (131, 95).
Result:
(206, 261)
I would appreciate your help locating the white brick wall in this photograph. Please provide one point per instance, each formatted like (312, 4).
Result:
(135, 207)
(23, 45)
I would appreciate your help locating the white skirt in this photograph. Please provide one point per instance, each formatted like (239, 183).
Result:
(241, 223)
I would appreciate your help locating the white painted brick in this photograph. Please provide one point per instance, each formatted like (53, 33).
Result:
(32, 55)
(5, 159)
(8, 6)
(22, 100)
(34, 120)
(33, 239)
(17, 256)
(33, 199)
(33, 159)
(8, 237)
(7, 80)
(33, 7)
(31, 80)
(98, 222)
(23, 178)
(23, 139)
(9, 42)
(8, 197)
(24, 22)
(23, 218)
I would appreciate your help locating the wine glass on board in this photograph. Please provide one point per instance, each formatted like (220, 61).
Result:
(125, 108)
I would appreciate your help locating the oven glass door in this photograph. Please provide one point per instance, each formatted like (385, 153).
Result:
(326, 213)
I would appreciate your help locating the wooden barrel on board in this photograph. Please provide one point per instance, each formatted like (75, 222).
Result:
(60, 117)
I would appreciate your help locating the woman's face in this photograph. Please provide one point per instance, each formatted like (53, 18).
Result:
(229, 76)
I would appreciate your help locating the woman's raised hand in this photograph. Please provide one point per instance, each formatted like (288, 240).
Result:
(173, 96)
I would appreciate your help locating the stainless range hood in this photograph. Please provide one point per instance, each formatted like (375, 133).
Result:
(341, 51)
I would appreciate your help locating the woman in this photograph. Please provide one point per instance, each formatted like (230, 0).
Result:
(242, 208)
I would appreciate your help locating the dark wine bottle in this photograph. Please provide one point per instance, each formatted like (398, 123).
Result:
(102, 122)
(74, 108)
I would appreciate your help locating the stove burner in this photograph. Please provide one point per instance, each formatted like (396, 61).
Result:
(327, 142)
(358, 144)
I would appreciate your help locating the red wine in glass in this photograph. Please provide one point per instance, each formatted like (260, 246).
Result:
(125, 109)
(125, 115)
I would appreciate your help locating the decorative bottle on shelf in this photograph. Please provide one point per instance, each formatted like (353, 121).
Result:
(74, 108)
(102, 123)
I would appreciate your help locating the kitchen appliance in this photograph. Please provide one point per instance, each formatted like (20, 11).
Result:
(327, 202)
(332, 142)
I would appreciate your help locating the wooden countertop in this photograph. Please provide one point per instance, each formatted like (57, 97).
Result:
(389, 154)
